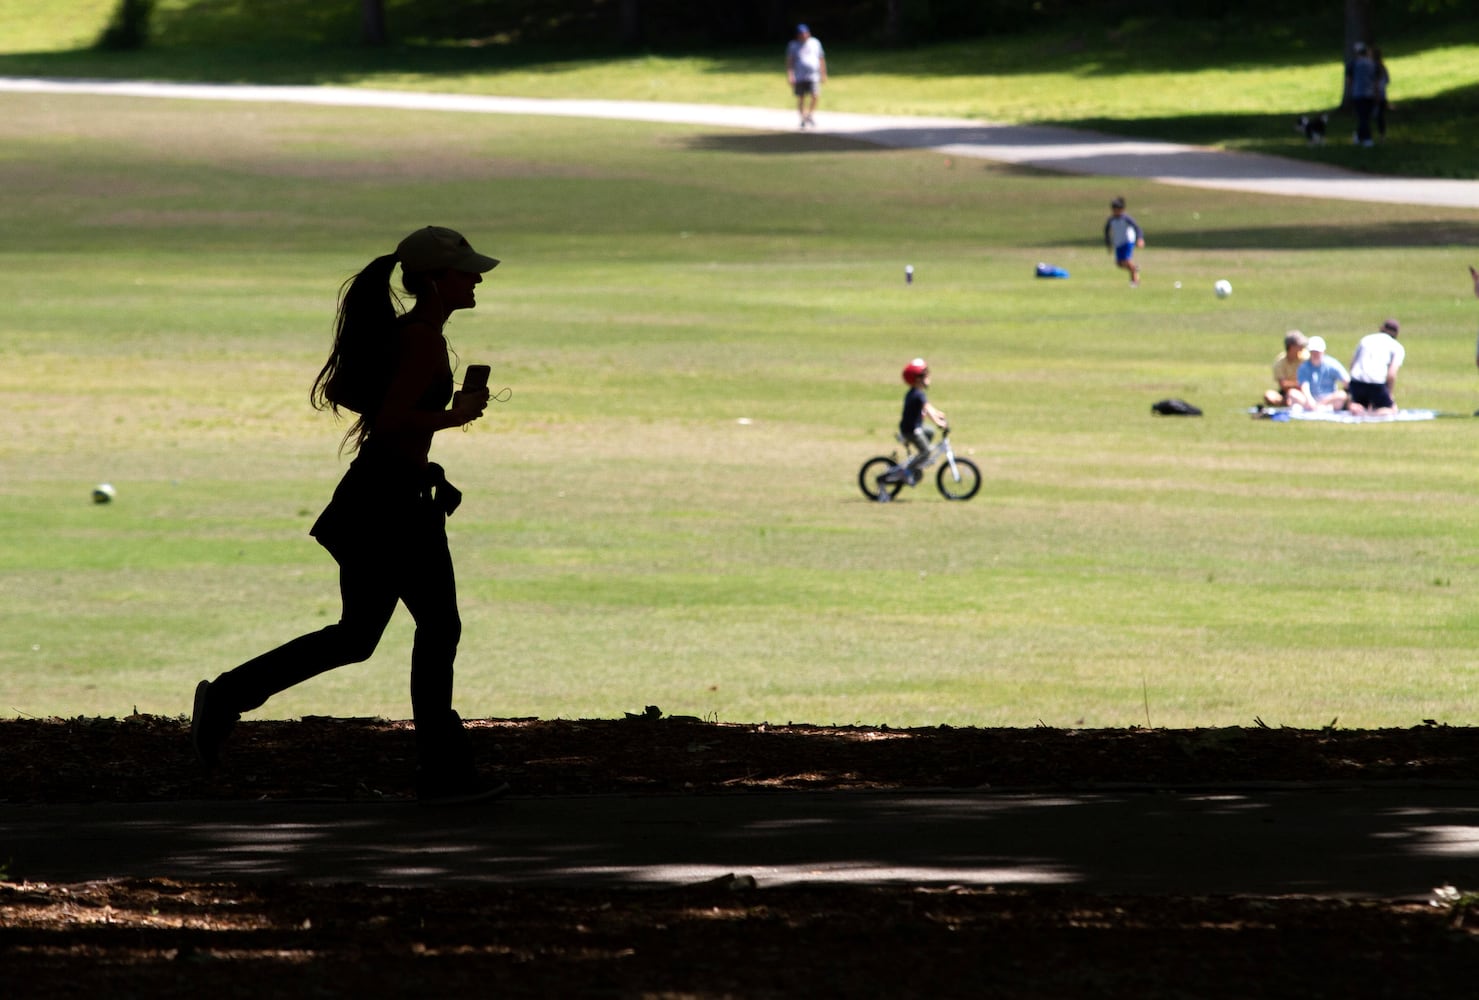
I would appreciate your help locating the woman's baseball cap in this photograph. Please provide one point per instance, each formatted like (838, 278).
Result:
(437, 247)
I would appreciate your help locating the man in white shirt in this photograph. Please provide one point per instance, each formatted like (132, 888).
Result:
(1374, 371)
(806, 71)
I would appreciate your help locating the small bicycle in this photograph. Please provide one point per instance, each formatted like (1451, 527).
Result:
(882, 478)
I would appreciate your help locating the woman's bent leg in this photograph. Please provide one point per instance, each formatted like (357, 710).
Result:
(369, 599)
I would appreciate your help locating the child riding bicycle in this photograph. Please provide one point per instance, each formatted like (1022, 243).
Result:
(915, 435)
(883, 477)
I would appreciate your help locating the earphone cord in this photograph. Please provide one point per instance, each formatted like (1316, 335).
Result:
(503, 396)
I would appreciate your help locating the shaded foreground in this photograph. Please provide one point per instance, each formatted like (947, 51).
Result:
(164, 937)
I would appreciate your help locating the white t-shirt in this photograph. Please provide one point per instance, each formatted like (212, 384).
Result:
(805, 59)
(1375, 354)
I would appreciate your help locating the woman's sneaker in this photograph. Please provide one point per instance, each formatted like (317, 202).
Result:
(209, 727)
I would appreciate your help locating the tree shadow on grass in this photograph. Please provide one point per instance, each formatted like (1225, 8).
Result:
(236, 40)
(1429, 137)
(1056, 149)
(1093, 44)
(779, 143)
(294, 63)
(1406, 234)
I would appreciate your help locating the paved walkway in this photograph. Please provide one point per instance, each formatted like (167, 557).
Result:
(1047, 147)
(1396, 842)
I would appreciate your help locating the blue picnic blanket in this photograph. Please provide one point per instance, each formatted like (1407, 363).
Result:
(1342, 417)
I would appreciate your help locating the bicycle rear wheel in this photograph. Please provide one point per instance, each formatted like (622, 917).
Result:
(870, 474)
(965, 484)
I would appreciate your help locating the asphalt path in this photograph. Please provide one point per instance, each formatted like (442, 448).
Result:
(1375, 842)
(1046, 147)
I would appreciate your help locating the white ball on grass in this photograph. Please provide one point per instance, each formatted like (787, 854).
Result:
(1223, 288)
(103, 493)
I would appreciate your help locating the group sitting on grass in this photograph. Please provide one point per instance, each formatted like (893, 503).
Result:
(1306, 379)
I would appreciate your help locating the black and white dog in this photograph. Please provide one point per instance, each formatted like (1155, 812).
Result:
(1312, 127)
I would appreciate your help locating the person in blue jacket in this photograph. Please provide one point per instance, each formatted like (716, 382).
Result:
(1323, 378)
(1122, 234)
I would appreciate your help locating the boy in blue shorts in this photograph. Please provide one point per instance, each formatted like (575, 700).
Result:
(1122, 234)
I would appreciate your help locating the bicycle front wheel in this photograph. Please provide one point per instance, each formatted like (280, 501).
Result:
(963, 484)
(870, 474)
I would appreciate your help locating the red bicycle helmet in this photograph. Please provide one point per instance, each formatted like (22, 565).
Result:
(914, 369)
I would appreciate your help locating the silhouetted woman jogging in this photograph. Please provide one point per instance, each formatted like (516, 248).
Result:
(386, 522)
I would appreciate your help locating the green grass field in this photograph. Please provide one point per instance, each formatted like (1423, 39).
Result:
(627, 540)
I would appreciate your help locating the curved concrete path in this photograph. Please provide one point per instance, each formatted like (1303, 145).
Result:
(1047, 147)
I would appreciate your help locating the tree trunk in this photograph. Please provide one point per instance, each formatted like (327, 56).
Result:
(372, 22)
(631, 23)
(1359, 25)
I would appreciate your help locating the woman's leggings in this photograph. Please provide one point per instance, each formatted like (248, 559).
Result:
(419, 574)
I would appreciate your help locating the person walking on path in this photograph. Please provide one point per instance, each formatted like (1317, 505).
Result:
(1374, 371)
(386, 523)
(806, 71)
(1360, 81)
(1122, 234)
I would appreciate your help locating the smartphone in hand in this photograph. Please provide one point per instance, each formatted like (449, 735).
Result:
(476, 378)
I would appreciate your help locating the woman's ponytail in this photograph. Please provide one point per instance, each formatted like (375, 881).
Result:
(357, 373)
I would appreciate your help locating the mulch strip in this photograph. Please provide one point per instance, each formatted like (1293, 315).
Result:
(149, 758)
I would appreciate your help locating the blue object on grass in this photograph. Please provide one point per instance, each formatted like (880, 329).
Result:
(1049, 271)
